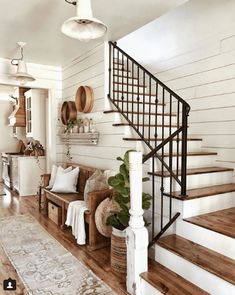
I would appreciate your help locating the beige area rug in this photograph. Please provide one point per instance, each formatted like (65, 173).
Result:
(42, 263)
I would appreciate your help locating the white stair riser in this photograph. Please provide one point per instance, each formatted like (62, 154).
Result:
(130, 88)
(192, 162)
(193, 146)
(198, 276)
(192, 207)
(138, 108)
(208, 204)
(199, 180)
(207, 238)
(145, 119)
(145, 131)
(147, 289)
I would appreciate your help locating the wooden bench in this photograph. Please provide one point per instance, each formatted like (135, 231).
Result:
(95, 239)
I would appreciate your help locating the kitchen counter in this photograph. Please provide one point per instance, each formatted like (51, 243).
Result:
(31, 157)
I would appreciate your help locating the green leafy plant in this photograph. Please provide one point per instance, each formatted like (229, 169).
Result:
(121, 184)
(70, 125)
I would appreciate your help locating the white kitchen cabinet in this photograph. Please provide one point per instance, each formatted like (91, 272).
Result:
(26, 174)
(36, 115)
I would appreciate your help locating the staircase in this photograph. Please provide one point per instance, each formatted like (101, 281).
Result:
(193, 211)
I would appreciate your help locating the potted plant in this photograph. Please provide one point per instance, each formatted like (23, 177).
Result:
(119, 219)
(70, 126)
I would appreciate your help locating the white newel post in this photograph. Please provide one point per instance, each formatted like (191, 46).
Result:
(137, 234)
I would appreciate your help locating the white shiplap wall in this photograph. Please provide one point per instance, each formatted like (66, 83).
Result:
(88, 69)
(47, 77)
(205, 77)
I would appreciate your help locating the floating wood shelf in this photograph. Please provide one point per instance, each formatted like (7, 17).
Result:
(80, 138)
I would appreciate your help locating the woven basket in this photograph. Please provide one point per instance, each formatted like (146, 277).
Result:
(84, 99)
(68, 112)
(118, 251)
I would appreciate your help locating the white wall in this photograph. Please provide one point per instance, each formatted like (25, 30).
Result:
(88, 69)
(47, 77)
(192, 50)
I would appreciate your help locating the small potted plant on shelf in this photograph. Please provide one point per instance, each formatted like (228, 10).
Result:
(119, 219)
(70, 126)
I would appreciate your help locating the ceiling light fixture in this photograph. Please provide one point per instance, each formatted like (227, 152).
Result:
(83, 26)
(22, 74)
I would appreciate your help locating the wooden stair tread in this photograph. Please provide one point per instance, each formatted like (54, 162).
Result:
(140, 113)
(139, 102)
(169, 282)
(195, 171)
(211, 261)
(158, 139)
(135, 124)
(205, 191)
(221, 221)
(135, 93)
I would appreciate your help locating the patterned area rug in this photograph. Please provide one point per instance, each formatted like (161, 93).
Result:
(44, 265)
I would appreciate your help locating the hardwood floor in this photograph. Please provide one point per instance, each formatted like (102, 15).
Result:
(98, 261)
(220, 221)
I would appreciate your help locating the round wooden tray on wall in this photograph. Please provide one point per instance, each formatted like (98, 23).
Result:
(84, 99)
(68, 112)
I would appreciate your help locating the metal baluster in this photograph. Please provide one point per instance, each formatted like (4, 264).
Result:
(110, 70)
(184, 151)
(156, 115)
(127, 89)
(153, 197)
(170, 159)
(123, 82)
(177, 139)
(149, 129)
(132, 104)
(162, 170)
(143, 120)
(118, 76)
(138, 99)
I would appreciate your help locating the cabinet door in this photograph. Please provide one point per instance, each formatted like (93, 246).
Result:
(14, 173)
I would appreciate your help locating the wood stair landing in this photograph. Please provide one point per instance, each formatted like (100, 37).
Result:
(205, 192)
(222, 221)
(195, 171)
(209, 260)
(168, 282)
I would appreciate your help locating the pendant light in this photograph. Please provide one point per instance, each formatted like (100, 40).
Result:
(22, 74)
(83, 26)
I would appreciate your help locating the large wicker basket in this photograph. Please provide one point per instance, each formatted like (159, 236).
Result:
(118, 251)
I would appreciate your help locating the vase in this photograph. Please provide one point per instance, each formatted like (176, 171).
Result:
(118, 250)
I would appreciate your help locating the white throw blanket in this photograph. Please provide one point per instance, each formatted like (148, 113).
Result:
(75, 219)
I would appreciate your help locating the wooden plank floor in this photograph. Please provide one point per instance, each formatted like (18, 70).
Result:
(98, 261)
(220, 221)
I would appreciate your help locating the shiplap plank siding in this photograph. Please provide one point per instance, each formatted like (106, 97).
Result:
(88, 69)
(205, 77)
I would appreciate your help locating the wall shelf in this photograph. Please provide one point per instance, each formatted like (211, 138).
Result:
(80, 138)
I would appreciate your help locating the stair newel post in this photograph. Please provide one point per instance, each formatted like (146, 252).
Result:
(137, 234)
(185, 112)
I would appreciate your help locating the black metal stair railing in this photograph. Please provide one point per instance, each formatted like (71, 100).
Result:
(160, 119)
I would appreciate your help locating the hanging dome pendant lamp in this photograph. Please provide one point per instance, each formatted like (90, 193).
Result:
(83, 26)
(22, 74)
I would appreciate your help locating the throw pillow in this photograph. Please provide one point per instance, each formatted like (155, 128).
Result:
(66, 182)
(53, 174)
(96, 182)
